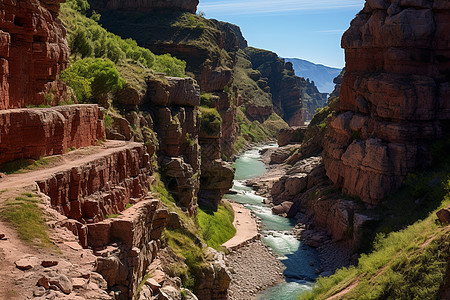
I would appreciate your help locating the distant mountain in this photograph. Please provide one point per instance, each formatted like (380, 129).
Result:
(321, 75)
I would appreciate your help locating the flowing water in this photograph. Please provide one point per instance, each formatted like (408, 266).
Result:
(275, 232)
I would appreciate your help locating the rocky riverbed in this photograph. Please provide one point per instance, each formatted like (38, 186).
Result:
(253, 268)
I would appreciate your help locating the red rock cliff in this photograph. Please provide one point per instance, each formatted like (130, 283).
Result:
(33, 51)
(395, 96)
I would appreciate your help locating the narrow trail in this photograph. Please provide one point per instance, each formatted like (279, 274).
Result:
(17, 284)
(67, 161)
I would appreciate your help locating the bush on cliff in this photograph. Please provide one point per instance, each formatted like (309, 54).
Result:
(88, 39)
(92, 79)
(210, 121)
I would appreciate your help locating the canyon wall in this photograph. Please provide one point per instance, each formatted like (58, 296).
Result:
(33, 51)
(174, 104)
(279, 77)
(394, 99)
(36, 132)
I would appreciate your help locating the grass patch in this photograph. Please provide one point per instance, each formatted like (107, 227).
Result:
(25, 214)
(216, 227)
(187, 246)
(23, 165)
(129, 205)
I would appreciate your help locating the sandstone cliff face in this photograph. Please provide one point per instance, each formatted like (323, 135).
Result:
(174, 104)
(394, 99)
(146, 5)
(92, 194)
(32, 133)
(285, 87)
(33, 51)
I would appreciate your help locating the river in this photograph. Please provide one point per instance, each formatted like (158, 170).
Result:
(275, 232)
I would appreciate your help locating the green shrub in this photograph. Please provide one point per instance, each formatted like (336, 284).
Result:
(210, 121)
(88, 39)
(79, 43)
(92, 78)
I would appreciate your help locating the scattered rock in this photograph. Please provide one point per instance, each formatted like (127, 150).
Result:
(444, 215)
(153, 284)
(63, 283)
(79, 283)
(26, 263)
(49, 263)
(39, 292)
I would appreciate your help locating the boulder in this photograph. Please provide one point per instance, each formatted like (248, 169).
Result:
(444, 215)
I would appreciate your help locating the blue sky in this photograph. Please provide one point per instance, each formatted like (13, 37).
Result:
(307, 29)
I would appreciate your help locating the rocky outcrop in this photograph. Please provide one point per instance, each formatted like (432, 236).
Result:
(215, 279)
(102, 186)
(291, 135)
(32, 133)
(279, 78)
(174, 104)
(216, 175)
(105, 203)
(33, 51)
(394, 99)
(128, 244)
(146, 5)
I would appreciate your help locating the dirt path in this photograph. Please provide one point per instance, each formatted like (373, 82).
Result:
(246, 227)
(68, 161)
(74, 262)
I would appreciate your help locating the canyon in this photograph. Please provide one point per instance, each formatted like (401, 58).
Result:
(125, 179)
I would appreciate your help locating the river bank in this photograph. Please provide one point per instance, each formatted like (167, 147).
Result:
(304, 251)
(332, 255)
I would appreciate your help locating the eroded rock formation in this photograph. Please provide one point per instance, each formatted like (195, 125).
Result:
(394, 100)
(174, 103)
(279, 78)
(92, 194)
(33, 51)
(32, 133)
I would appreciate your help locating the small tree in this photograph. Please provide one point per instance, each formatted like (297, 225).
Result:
(80, 44)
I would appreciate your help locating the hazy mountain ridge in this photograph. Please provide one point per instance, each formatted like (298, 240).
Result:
(321, 75)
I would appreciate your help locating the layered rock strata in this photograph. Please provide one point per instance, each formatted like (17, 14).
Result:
(32, 133)
(33, 51)
(394, 99)
(279, 78)
(93, 194)
(216, 175)
(174, 103)
(101, 186)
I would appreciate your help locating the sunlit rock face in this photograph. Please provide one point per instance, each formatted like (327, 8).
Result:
(33, 51)
(395, 96)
